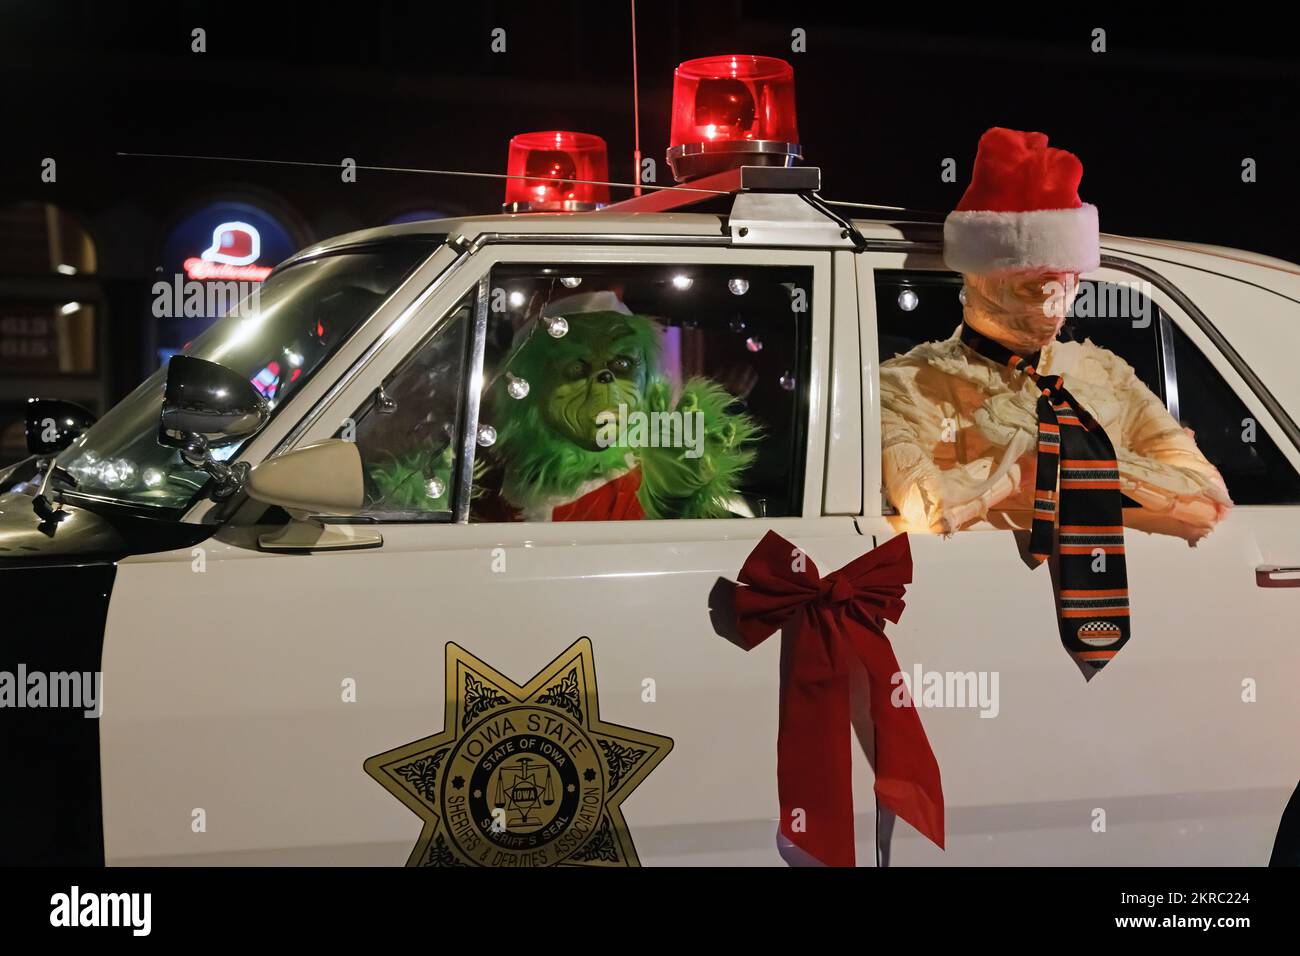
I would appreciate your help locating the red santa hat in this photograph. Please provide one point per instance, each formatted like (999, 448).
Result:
(1021, 211)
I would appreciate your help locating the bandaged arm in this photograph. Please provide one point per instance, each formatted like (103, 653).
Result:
(1160, 466)
(927, 497)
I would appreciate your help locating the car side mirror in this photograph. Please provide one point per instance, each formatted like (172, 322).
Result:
(207, 405)
(53, 425)
(324, 478)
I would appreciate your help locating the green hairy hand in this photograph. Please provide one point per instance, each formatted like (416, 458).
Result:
(700, 477)
(403, 481)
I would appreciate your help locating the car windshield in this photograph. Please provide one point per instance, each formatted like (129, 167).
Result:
(277, 337)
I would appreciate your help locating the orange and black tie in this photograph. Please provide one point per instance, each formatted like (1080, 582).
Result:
(1078, 508)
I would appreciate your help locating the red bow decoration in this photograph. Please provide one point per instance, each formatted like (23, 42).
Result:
(840, 614)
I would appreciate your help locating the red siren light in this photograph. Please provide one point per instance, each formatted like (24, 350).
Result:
(732, 111)
(551, 166)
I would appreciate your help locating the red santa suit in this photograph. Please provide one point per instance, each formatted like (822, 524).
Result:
(609, 499)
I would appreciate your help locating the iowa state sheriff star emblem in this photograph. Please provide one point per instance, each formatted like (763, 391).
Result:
(522, 776)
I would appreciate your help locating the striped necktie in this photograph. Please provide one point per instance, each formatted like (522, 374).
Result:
(1085, 517)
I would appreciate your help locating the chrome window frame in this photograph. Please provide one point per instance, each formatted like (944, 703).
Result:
(473, 400)
(1164, 335)
(476, 357)
(1217, 338)
(1164, 332)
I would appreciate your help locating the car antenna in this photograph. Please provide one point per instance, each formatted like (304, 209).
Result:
(635, 187)
(636, 114)
(411, 169)
(868, 205)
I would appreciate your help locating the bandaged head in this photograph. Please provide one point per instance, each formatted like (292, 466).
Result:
(1021, 310)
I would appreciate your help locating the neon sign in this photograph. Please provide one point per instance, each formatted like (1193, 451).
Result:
(235, 247)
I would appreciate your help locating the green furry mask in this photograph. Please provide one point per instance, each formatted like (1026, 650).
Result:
(548, 439)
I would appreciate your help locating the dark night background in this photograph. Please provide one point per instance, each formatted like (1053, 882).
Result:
(1161, 121)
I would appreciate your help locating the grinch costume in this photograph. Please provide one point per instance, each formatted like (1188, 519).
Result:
(558, 454)
(560, 407)
(960, 433)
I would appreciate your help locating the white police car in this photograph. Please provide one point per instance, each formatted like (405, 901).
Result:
(300, 669)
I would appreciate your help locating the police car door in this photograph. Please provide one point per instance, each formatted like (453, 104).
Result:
(307, 709)
(1148, 761)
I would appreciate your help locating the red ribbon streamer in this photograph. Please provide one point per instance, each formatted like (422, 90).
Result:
(838, 615)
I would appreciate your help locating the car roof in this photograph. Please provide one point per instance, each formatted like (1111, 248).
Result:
(893, 225)
(1207, 250)
(598, 223)
(1267, 272)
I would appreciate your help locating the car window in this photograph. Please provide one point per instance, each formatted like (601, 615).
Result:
(958, 439)
(644, 391)
(408, 430)
(915, 307)
(278, 338)
(1255, 470)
